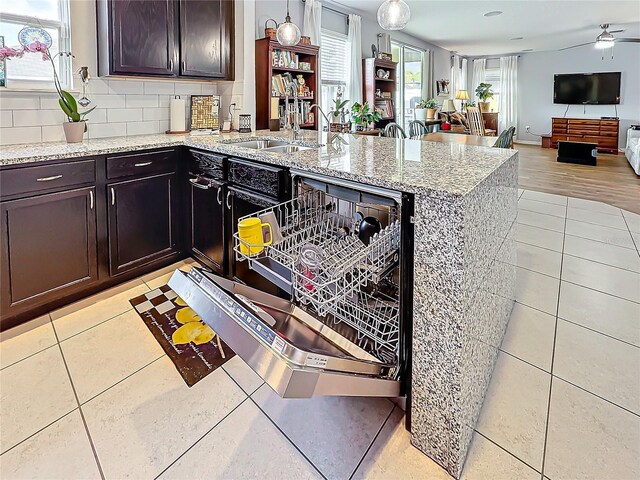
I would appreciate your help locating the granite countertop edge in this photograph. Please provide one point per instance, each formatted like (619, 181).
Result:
(306, 160)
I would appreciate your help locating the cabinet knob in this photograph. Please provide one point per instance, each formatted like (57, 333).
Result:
(219, 196)
(91, 199)
(113, 196)
(227, 201)
(143, 164)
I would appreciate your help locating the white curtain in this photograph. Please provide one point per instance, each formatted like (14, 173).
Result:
(508, 92)
(312, 19)
(478, 75)
(463, 75)
(354, 82)
(311, 28)
(454, 85)
(427, 74)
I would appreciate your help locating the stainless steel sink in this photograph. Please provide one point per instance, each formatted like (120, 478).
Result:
(260, 144)
(288, 149)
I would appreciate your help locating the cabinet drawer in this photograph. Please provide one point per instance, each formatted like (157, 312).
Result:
(609, 123)
(45, 177)
(136, 164)
(212, 164)
(260, 178)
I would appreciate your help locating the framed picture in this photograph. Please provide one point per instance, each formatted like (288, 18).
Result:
(385, 56)
(205, 112)
(442, 87)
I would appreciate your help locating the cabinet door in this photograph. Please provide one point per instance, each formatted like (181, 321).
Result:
(207, 241)
(48, 247)
(242, 203)
(142, 221)
(144, 37)
(206, 38)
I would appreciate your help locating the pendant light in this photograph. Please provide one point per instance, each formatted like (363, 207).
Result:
(288, 33)
(393, 15)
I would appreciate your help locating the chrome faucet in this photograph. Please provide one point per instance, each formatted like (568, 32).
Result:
(296, 121)
(326, 127)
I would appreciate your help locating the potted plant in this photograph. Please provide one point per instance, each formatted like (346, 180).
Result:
(426, 109)
(484, 93)
(362, 116)
(75, 126)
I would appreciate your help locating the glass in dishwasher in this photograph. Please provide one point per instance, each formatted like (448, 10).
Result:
(309, 264)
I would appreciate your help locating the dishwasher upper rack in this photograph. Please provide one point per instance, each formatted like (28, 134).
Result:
(315, 218)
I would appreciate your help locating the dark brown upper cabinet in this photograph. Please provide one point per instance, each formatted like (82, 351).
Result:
(206, 38)
(166, 38)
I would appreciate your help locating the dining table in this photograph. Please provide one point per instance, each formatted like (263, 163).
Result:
(459, 138)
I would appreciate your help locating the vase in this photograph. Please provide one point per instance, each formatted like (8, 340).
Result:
(420, 114)
(483, 106)
(431, 113)
(74, 131)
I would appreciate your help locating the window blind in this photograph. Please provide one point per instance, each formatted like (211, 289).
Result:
(333, 58)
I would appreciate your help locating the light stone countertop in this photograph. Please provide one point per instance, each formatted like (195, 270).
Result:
(404, 165)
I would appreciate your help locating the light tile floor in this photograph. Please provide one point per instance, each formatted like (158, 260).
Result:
(87, 393)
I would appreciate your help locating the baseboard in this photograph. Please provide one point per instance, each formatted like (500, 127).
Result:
(527, 142)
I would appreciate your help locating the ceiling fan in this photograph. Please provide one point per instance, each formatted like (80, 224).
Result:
(605, 39)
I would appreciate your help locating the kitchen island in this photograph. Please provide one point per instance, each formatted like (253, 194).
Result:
(465, 201)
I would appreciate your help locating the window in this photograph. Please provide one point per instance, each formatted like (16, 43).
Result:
(492, 76)
(409, 81)
(333, 68)
(31, 71)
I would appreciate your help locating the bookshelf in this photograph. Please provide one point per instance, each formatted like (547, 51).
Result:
(387, 86)
(276, 61)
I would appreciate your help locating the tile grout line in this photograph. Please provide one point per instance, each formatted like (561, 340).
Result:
(38, 431)
(601, 263)
(553, 354)
(75, 394)
(599, 241)
(375, 437)
(204, 435)
(596, 331)
(284, 434)
(123, 379)
(505, 450)
(637, 245)
(569, 382)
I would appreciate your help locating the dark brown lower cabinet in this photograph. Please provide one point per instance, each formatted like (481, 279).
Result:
(48, 247)
(142, 221)
(207, 242)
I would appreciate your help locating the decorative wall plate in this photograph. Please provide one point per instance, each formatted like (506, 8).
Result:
(28, 35)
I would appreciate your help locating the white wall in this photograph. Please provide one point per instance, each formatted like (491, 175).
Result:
(276, 9)
(131, 106)
(535, 87)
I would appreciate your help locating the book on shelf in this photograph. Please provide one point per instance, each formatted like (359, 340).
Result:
(279, 83)
(305, 115)
(284, 59)
(384, 107)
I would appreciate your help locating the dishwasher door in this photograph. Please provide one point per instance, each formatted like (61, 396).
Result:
(296, 354)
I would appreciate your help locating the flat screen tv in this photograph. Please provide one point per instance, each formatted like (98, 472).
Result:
(587, 88)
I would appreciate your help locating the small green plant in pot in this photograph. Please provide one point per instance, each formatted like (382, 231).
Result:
(75, 126)
(426, 109)
(362, 116)
(484, 93)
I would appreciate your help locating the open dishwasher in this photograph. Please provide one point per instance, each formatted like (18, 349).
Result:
(344, 254)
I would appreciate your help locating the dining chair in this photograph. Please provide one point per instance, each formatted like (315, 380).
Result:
(417, 129)
(505, 140)
(476, 123)
(394, 130)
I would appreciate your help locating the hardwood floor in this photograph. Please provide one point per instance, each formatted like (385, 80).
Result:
(612, 181)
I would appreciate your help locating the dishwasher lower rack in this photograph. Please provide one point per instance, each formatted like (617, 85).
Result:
(347, 264)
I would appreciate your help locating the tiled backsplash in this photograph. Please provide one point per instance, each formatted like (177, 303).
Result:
(123, 107)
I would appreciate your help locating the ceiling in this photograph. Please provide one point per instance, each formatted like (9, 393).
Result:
(460, 25)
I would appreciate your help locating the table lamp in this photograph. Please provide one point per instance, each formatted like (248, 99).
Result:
(447, 107)
(462, 95)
